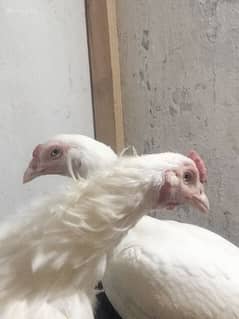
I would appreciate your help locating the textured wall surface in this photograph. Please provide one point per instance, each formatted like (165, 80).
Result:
(180, 77)
(44, 87)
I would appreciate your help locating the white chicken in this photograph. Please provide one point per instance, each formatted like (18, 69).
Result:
(52, 256)
(166, 269)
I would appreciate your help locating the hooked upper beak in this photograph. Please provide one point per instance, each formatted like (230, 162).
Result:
(29, 175)
(31, 172)
(201, 202)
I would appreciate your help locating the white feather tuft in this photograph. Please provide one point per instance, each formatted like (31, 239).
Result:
(58, 248)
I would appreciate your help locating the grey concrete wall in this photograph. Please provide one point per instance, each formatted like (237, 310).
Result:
(44, 88)
(180, 79)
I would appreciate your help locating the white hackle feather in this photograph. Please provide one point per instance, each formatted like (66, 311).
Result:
(59, 248)
(85, 155)
(129, 151)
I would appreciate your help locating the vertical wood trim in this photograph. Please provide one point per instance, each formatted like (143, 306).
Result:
(115, 63)
(105, 72)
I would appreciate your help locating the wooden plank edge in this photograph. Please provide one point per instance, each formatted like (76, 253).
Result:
(116, 78)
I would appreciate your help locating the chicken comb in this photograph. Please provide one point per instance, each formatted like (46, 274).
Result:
(200, 165)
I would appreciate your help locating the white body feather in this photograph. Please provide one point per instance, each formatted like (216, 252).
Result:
(56, 253)
(171, 270)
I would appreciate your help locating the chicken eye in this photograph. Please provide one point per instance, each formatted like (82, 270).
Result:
(187, 177)
(55, 153)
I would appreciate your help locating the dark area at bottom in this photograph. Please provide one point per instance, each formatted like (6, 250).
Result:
(104, 309)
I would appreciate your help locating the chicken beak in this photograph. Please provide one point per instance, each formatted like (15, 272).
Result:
(31, 172)
(200, 202)
(29, 175)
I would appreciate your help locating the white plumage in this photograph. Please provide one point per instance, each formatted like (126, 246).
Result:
(172, 270)
(52, 256)
(168, 270)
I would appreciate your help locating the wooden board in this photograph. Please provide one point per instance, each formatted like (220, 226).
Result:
(105, 72)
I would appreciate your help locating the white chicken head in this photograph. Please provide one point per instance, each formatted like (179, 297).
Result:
(181, 180)
(72, 155)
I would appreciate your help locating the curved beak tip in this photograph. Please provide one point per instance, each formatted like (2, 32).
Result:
(206, 203)
(28, 176)
(202, 203)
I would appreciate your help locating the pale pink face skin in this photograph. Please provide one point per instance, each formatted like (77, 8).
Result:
(183, 185)
(47, 159)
